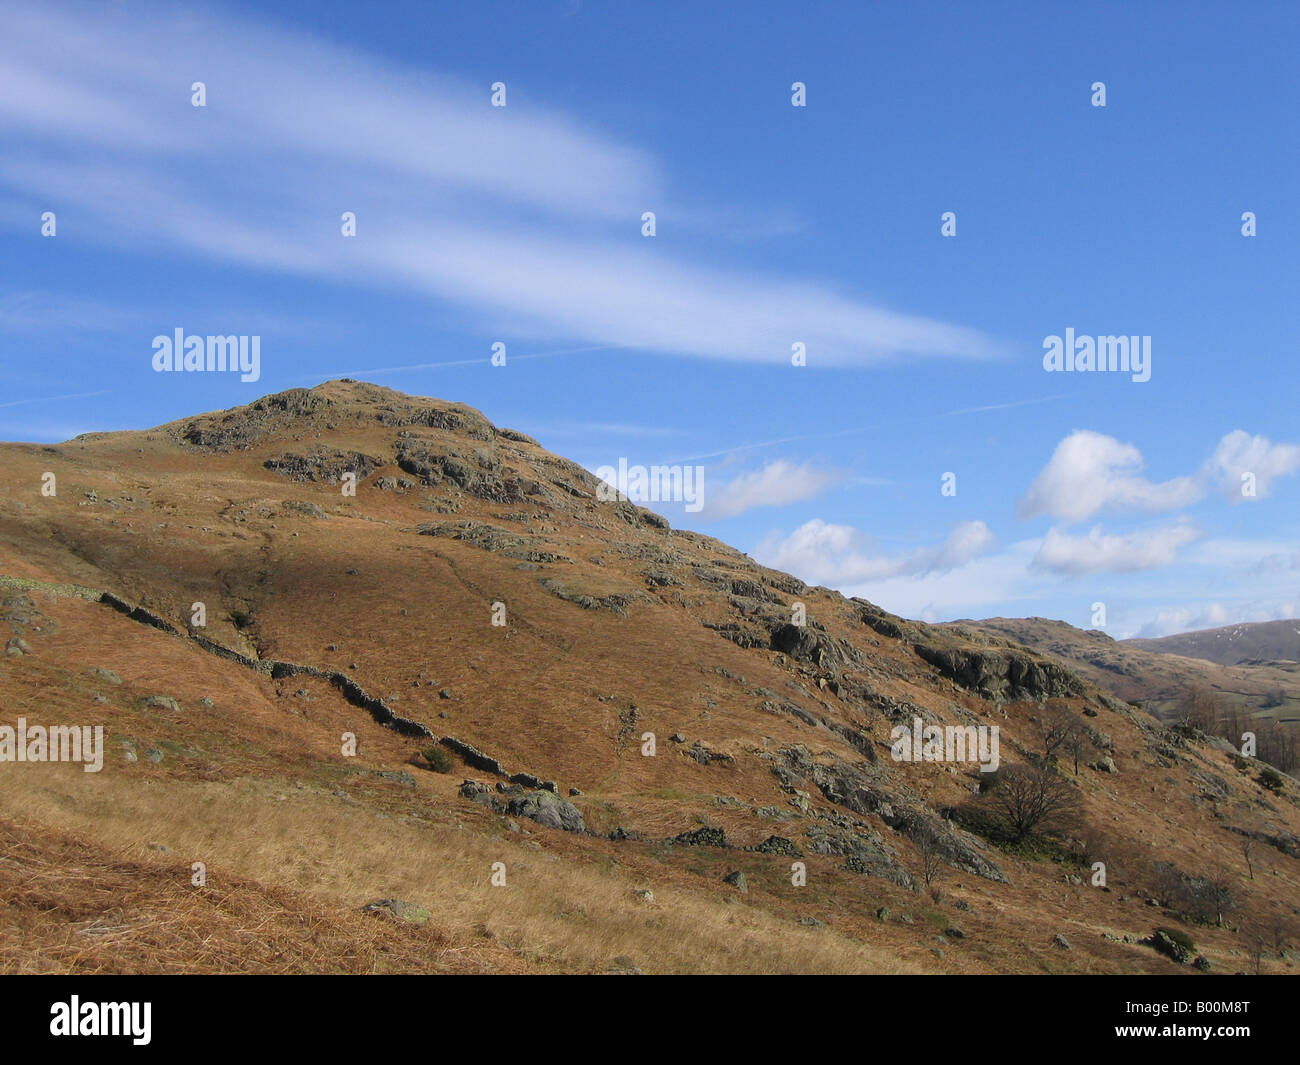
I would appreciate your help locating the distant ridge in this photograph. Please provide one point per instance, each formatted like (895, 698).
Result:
(1231, 645)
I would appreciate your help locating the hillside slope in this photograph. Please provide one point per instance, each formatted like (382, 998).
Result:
(1264, 693)
(373, 615)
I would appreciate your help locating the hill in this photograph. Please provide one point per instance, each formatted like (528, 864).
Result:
(663, 756)
(1259, 642)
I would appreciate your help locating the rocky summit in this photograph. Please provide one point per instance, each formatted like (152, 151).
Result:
(401, 690)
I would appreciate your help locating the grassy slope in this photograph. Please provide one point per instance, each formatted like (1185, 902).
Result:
(256, 786)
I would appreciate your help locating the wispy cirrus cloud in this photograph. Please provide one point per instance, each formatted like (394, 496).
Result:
(30, 312)
(524, 216)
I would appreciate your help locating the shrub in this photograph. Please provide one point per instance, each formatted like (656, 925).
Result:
(1180, 937)
(1271, 779)
(438, 758)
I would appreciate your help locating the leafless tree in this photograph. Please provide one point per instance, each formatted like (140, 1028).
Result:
(1256, 944)
(1279, 745)
(1078, 744)
(928, 846)
(1203, 898)
(1201, 707)
(1058, 726)
(1033, 797)
(1285, 931)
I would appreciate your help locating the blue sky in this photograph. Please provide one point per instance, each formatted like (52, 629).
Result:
(775, 224)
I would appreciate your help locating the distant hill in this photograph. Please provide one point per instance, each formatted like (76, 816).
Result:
(1155, 672)
(1260, 641)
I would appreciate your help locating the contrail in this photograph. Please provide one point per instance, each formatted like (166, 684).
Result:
(1003, 406)
(52, 399)
(866, 428)
(469, 362)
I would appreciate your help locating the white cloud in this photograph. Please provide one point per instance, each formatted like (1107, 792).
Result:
(1098, 552)
(1239, 453)
(523, 216)
(776, 484)
(1172, 620)
(836, 555)
(1090, 471)
(991, 584)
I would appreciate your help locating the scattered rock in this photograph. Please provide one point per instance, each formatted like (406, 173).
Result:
(778, 845)
(701, 837)
(1060, 941)
(1161, 941)
(737, 880)
(323, 465)
(706, 756)
(308, 510)
(548, 809)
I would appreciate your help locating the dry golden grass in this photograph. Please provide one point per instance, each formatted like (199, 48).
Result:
(72, 907)
(557, 910)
